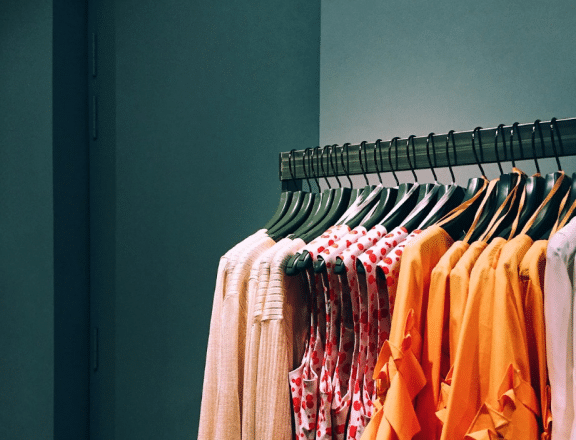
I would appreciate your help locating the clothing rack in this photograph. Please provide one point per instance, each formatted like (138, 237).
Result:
(461, 151)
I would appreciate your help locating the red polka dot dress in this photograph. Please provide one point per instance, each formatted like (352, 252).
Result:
(349, 346)
(378, 322)
(332, 301)
(359, 311)
(304, 379)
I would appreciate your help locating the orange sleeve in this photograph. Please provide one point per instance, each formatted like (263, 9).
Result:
(435, 352)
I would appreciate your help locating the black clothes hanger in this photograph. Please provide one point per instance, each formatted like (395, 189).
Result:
(310, 201)
(283, 205)
(368, 189)
(458, 226)
(505, 184)
(323, 199)
(405, 200)
(449, 196)
(420, 196)
(387, 195)
(339, 206)
(336, 202)
(425, 203)
(406, 204)
(355, 191)
(474, 183)
(533, 187)
(295, 202)
(549, 214)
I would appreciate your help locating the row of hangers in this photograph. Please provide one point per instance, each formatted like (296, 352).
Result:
(415, 205)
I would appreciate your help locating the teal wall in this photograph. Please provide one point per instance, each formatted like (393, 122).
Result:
(43, 221)
(195, 101)
(399, 68)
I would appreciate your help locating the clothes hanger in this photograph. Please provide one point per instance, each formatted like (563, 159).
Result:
(283, 205)
(366, 192)
(337, 202)
(325, 198)
(458, 226)
(370, 191)
(387, 195)
(355, 191)
(339, 206)
(310, 200)
(406, 204)
(428, 194)
(474, 183)
(534, 186)
(548, 215)
(449, 196)
(406, 195)
(508, 181)
(505, 184)
(295, 202)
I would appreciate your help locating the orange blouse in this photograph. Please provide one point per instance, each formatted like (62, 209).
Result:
(435, 353)
(469, 387)
(398, 374)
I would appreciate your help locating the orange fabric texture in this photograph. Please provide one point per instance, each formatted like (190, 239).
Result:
(532, 278)
(435, 351)
(398, 374)
(459, 284)
(511, 392)
(469, 387)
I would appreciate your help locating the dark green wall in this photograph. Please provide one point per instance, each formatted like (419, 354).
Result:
(195, 101)
(43, 221)
(26, 222)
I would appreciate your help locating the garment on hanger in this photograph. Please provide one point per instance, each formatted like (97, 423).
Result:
(400, 334)
(558, 309)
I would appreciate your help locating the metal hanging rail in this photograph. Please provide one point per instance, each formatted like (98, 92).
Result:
(462, 146)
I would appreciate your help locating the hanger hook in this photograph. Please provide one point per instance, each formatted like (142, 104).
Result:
(515, 126)
(395, 140)
(363, 146)
(290, 155)
(498, 130)
(378, 146)
(451, 135)
(534, 126)
(477, 129)
(334, 169)
(313, 152)
(411, 139)
(346, 167)
(322, 166)
(554, 126)
(428, 139)
(304, 169)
